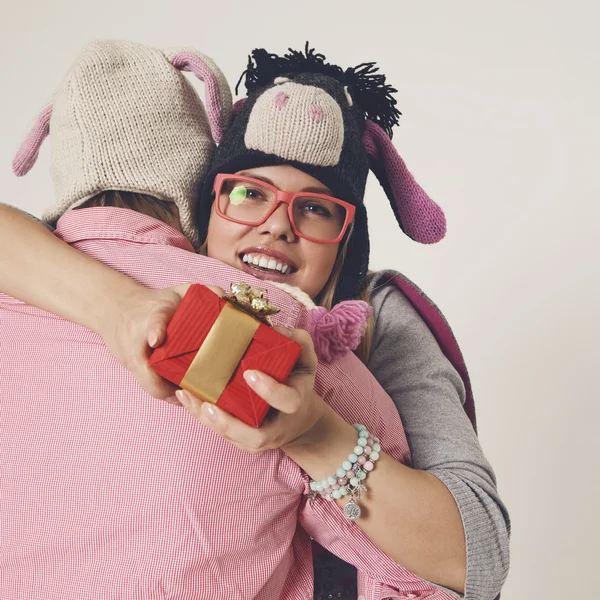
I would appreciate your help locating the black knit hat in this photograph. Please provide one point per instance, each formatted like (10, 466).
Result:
(334, 125)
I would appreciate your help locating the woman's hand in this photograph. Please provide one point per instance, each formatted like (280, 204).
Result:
(137, 326)
(299, 409)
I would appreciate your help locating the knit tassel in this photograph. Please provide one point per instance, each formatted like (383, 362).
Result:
(339, 330)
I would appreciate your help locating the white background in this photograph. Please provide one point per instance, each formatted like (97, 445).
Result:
(501, 104)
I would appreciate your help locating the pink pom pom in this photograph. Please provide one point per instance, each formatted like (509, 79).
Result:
(339, 330)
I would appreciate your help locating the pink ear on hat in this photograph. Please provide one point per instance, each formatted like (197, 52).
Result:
(218, 94)
(239, 105)
(417, 214)
(30, 148)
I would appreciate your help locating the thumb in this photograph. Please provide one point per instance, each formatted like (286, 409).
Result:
(157, 325)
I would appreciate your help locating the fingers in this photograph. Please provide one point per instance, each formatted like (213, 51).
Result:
(181, 290)
(158, 387)
(278, 395)
(307, 361)
(217, 290)
(232, 429)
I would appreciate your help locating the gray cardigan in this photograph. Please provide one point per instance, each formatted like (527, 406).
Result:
(429, 393)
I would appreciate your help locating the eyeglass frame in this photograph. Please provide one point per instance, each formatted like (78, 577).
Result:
(285, 198)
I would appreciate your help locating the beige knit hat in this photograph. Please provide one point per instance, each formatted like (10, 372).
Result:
(126, 118)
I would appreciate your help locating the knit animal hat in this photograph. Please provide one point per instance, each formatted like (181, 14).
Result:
(125, 118)
(335, 125)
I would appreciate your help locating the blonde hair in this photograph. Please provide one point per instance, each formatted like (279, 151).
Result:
(327, 295)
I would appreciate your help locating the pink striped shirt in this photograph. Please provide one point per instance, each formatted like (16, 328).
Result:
(108, 493)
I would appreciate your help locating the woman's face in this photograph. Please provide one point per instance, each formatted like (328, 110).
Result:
(309, 264)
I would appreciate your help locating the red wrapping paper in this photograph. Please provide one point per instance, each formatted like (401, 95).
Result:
(269, 352)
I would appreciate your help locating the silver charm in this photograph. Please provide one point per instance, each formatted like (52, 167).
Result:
(359, 490)
(352, 510)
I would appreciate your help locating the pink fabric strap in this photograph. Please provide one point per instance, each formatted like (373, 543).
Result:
(30, 148)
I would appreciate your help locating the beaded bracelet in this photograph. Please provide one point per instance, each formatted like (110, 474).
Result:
(349, 477)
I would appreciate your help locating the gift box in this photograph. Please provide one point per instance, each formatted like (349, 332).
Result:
(209, 344)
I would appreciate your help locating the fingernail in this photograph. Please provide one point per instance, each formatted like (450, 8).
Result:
(251, 377)
(153, 340)
(209, 410)
(183, 398)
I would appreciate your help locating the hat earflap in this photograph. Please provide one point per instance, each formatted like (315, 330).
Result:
(218, 92)
(29, 150)
(417, 214)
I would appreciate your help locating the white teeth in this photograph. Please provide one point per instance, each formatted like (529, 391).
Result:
(265, 262)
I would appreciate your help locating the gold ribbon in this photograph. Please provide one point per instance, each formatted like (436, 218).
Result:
(220, 353)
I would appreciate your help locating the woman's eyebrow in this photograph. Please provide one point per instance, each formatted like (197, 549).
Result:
(313, 190)
(255, 176)
(318, 190)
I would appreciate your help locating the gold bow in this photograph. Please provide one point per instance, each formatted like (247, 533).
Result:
(252, 300)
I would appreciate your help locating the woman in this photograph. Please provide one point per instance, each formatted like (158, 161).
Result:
(326, 153)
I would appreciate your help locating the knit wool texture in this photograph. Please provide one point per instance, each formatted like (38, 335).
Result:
(124, 118)
(310, 124)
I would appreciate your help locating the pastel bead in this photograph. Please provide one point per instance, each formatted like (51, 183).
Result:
(349, 474)
(324, 483)
(335, 486)
(363, 434)
(362, 442)
(376, 447)
(354, 481)
(367, 450)
(358, 450)
(341, 472)
(362, 475)
(352, 457)
(370, 441)
(359, 427)
(374, 456)
(331, 479)
(369, 466)
(376, 439)
(336, 494)
(313, 486)
(318, 486)
(327, 491)
(347, 465)
(362, 460)
(343, 491)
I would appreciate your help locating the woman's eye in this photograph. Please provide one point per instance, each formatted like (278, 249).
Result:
(253, 193)
(317, 209)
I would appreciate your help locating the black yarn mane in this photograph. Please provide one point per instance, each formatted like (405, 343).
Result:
(367, 87)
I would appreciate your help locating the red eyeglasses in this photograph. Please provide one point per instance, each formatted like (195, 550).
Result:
(315, 217)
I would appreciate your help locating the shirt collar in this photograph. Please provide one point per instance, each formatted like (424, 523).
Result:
(108, 222)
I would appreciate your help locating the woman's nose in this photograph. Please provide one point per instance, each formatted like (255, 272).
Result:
(278, 224)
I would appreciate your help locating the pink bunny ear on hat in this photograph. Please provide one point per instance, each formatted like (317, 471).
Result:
(239, 105)
(30, 148)
(417, 214)
(218, 93)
